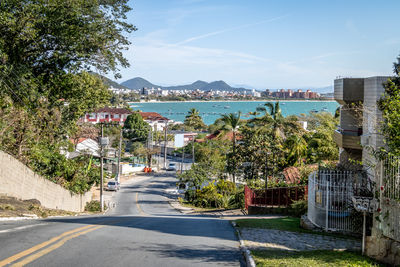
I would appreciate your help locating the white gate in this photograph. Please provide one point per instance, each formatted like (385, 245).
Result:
(329, 200)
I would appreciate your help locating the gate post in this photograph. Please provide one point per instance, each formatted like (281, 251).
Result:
(327, 206)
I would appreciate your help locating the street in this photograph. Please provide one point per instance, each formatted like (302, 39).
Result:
(141, 230)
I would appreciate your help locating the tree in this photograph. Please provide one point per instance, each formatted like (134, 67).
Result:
(213, 154)
(297, 147)
(193, 120)
(274, 119)
(46, 50)
(135, 128)
(319, 138)
(252, 153)
(389, 104)
(196, 176)
(230, 123)
(53, 37)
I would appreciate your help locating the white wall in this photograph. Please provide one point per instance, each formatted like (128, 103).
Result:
(17, 180)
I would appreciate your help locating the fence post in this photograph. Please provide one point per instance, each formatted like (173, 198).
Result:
(327, 206)
(245, 197)
(287, 196)
(272, 197)
(279, 198)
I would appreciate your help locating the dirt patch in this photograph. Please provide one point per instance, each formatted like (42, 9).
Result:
(13, 207)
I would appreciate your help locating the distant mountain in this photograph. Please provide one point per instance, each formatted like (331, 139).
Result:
(138, 83)
(109, 82)
(217, 85)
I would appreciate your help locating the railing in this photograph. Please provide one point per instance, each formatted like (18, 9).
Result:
(357, 132)
(388, 179)
(390, 182)
(330, 199)
(278, 197)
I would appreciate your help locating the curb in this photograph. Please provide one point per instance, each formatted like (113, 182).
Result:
(246, 252)
(5, 219)
(175, 205)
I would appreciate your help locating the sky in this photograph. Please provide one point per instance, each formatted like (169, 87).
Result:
(262, 43)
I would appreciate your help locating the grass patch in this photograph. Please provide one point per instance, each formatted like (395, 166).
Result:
(93, 206)
(7, 207)
(290, 224)
(311, 258)
(13, 207)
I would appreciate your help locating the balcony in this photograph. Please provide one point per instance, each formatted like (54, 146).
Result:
(348, 138)
(349, 90)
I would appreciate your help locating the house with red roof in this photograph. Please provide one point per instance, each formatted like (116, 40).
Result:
(155, 120)
(107, 114)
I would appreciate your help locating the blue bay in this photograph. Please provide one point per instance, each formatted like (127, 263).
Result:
(210, 111)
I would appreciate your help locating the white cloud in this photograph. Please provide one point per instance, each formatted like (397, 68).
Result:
(202, 36)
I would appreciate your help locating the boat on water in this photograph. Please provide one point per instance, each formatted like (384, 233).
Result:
(314, 111)
(227, 107)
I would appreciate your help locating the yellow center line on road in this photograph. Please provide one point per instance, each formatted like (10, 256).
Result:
(41, 245)
(53, 247)
(138, 206)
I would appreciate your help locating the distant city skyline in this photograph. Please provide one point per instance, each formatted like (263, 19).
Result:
(262, 44)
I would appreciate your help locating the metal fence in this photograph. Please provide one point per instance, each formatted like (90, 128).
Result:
(330, 199)
(274, 197)
(388, 177)
(390, 180)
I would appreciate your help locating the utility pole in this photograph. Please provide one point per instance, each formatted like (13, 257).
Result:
(119, 156)
(183, 158)
(150, 144)
(101, 170)
(159, 151)
(165, 144)
(193, 149)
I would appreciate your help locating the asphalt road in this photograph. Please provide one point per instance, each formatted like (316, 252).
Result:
(141, 230)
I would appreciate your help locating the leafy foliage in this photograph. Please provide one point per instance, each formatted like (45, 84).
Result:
(93, 206)
(135, 128)
(193, 120)
(389, 104)
(46, 49)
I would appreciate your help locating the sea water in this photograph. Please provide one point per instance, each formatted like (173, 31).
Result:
(212, 110)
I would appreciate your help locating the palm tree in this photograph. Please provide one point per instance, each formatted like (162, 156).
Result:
(193, 113)
(231, 123)
(297, 147)
(273, 120)
(272, 117)
(194, 120)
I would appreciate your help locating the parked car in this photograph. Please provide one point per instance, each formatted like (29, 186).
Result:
(171, 167)
(112, 186)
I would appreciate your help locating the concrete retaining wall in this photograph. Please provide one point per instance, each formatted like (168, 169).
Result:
(17, 180)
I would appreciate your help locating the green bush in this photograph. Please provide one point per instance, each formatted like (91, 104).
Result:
(298, 208)
(226, 187)
(208, 196)
(77, 175)
(93, 206)
(225, 201)
(238, 202)
(190, 195)
(223, 194)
